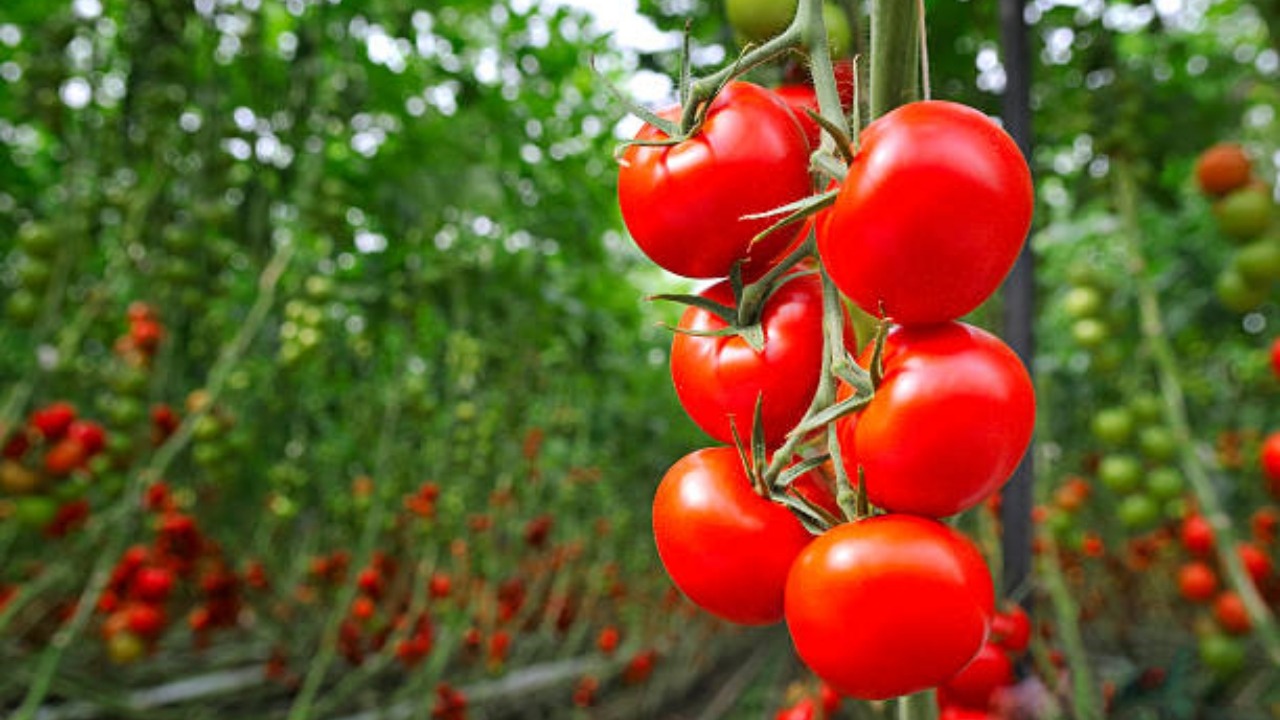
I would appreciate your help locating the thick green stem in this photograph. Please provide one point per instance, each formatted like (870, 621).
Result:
(1194, 467)
(895, 55)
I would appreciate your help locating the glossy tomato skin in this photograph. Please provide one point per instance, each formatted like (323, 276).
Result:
(947, 426)
(801, 98)
(889, 606)
(724, 546)
(684, 204)
(975, 686)
(932, 215)
(718, 379)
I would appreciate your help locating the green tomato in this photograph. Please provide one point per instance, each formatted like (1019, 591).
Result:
(37, 240)
(1147, 408)
(23, 306)
(760, 20)
(1237, 294)
(1113, 426)
(1259, 261)
(35, 273)
(1158, 443)
(1244, 214)
(1164, 483)
(1121, 473)
(1082, 301)
(1090, 332)
(1138, 511)
(1224, 656)
(35, 511)
(839, 36)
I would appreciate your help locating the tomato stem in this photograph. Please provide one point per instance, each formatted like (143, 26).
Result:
(920, 706)
(895, 59)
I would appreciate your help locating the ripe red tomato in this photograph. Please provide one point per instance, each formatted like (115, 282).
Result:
(1197, 582)
(1011, 630)
(975, 685)
(1275, 357)
(932, 215)
(799, 98)
(723, 545)
(1197, 535)
(719, 378)
(684, 204)
(888, 606)
(1256, 562)
(1223, 168)
(1270, 457)
(89, 434)
(65, 455)
(53, 419)
(1230, 613)
(948, 424)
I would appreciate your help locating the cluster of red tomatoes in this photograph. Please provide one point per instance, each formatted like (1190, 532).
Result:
(1244, 209)
(45, 467)
(927, 222)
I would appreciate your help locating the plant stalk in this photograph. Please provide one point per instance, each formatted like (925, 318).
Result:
(895, 55)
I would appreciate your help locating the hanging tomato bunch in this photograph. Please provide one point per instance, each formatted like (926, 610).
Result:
(822, 506)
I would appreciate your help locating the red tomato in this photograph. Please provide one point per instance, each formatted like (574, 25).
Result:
(798, 98)
(975, 685)
(889, 606)
(1197, 582)
(53, 419)
(948, 424)
(1196, 535)
(804, 709)
(1011, 630)
(723, 545)
(683, 204)
(1256, 562)
(65, 455)
(1231, 614)
(719, 378)
(932, 215)
(1275, 357)
(89, 434)
(1270, 457)
(951, 712)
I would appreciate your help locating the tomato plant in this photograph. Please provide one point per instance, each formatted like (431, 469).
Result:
(686, 204)
(921, 595)
(932, 215)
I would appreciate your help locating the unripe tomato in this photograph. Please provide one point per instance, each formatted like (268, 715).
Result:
(760, 20)
(948, 425)
(1082, 301)
(1222, 168)
(1113, 426)
(1165, 483)
(724, 546)
(1259, 261)
(1138, 511)
(684, 204)
(1121, 473)
(125, 647)
(1236, 293)
(1090, 332)
(1158, 443)
(921, 595)
(1224, 656)
(932, 215)
(1244, 214)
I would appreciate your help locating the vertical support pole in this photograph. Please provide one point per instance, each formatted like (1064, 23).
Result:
(1019, 302)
